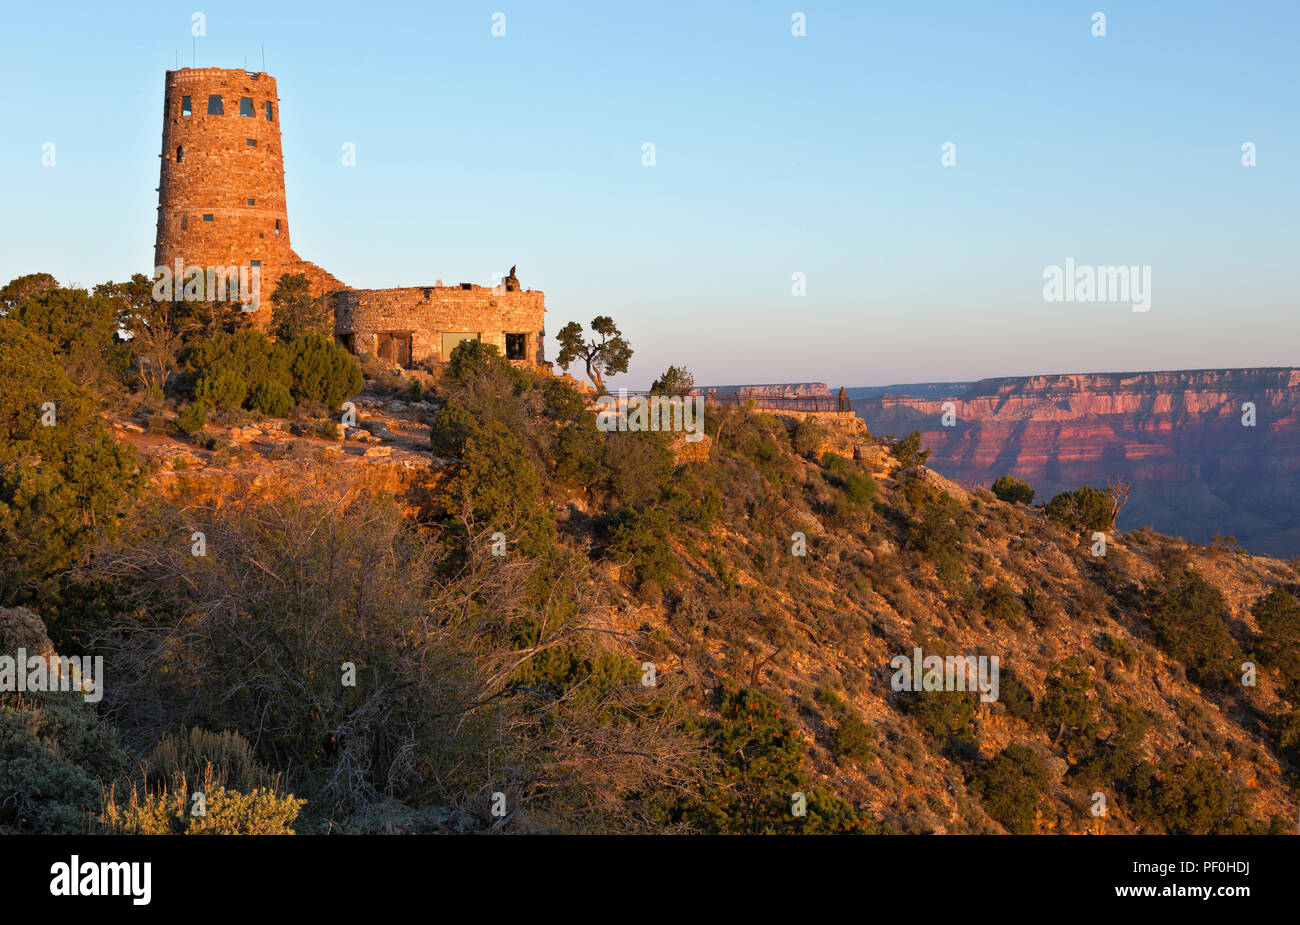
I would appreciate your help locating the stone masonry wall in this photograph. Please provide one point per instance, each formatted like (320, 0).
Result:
(221, 199)
(428, 312)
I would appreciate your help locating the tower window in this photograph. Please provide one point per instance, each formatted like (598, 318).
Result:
(246, 106)
(251, 142)
(277, 226)
(268, 112)
(187, 109)
(180, 154)
(252, 202)
(214, 105)
(185, 222)
(254, 263)
(207, 217)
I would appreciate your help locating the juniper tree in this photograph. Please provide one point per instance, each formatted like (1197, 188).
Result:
(607, 356)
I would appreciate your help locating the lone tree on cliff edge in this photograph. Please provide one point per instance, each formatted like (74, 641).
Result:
(607, 356)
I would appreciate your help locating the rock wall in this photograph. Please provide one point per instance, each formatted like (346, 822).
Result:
(426, 313)
(1178, 436)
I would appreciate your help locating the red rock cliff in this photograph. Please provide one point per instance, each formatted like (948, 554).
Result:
(1178, 436)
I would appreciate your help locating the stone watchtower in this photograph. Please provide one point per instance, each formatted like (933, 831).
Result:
(221, 199)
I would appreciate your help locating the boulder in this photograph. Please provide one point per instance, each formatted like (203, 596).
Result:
(22, 629)
(380, 431)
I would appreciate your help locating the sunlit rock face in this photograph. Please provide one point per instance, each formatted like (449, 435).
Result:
(1208, 451)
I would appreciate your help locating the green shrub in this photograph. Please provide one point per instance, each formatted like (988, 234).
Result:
(938, 531)
(1110, 763)
(1068, 709)
(859, 489)
(451, 428)
(471, 358)
(54, 754)
(1013, 490)
(908, 451)
(1192, 797)
(1000, 603)
(1190, 619)
(642, 537)
(578, 451)
(807, 435)
(940, 713)
(248, 357)
(192, 419)
(638, 467)
(834, 462)
(1015, 696)
(82, 329)
(1120, 648)
(762, 767)
(60, 485)
(499, 486)
(322, 370)
(1277, 615)
(1084, 509)
(271, 399)
(852, 738)
(1040, 607)
(1011, 787)
(224, 390)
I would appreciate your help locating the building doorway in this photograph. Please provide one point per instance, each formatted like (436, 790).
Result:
(395, 348)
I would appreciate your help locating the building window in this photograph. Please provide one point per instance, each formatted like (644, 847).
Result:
(252, 202)
(214, 105)
(207, 217)
(268, 113)
(185, 222)
(187, 109)
(277, 226)
(251, 142)
(180, 154)
(254, 263)
(246, 106)
(516, 346)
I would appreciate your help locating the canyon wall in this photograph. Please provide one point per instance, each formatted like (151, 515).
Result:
(1179, 437)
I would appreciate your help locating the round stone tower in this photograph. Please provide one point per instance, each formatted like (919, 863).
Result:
(221, 201)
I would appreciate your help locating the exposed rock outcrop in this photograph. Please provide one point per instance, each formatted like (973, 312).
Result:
(1181, 437)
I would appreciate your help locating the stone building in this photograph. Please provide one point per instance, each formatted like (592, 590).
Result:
(423, 323)
(221, 204)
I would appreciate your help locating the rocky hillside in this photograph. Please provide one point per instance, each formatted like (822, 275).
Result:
(447, 602)
(1177, 436)
(830, 554)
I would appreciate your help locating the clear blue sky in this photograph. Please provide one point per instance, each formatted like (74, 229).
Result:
(775, 155)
